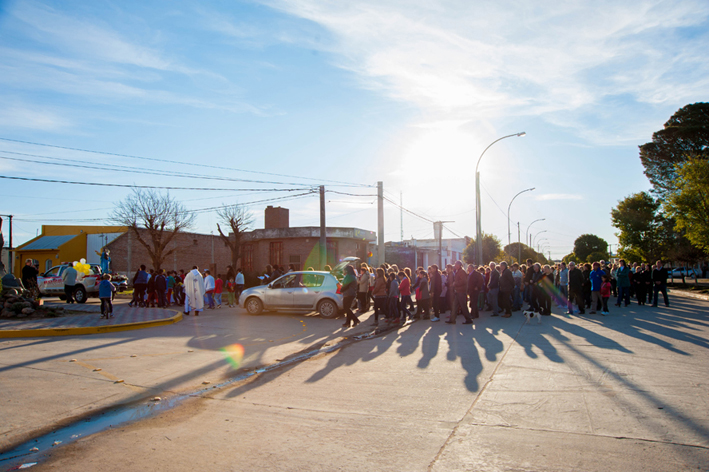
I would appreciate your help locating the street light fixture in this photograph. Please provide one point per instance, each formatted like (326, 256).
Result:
(534, 240)
(478, 224)
(526, 238)
(540, 245)
(509, 232)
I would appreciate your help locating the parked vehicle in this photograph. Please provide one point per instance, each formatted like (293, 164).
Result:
(51, 283)
(339, 270)
(302, 291)
(678, 272)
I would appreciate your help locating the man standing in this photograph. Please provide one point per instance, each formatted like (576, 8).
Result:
(507, 285)
(527, 283)
(493, 287)
(194, 292)
(564, 282)
(29, 277)
(239, 284)
(436, 289)
(659, 283)
(596, 278)
(575, 277)
(460, 297)
(69, 278)
(209, 288)
(476, 281)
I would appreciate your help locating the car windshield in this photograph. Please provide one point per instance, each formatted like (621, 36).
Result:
(53, 272)
(339, 270)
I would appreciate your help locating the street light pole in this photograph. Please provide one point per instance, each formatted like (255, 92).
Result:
(534, 240)
(509, 232)
(540, 245)
(478, 225)
(526, 237)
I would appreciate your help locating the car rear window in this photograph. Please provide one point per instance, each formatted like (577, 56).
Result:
(313, 280)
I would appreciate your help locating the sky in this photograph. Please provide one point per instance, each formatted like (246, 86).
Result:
(260, 102)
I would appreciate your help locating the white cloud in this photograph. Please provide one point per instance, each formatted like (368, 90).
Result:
(466, 60)
(558, 196)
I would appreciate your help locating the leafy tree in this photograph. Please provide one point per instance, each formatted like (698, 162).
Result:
(597, 256)
(586, 244)
(155, 219)
(645, 233)
(689, 205)
(685, 136)
(512, 253)
(236, 218)
(569, 258)
(491, 249)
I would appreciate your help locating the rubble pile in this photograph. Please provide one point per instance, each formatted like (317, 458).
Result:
(16, 306)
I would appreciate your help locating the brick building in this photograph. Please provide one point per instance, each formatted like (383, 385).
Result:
(203, 250)
(279, 244)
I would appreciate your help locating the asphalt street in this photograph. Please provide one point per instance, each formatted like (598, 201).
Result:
(622, 392)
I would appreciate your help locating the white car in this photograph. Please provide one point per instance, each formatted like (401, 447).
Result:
(682, 270)
(303, 291)
(51, 283)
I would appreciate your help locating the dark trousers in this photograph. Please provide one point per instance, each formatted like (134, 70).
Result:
(379, 307)
(69, 292)
(576, 295)
(474, 296)
(623, 295)
(641, 293)
(436, 299)
(347, 304)
(423, 308)
(363, 299)
(106, 306)
(660, 288)
(506, 302)
(140, 293)
(460, 302)
(605, 304)
(162, 301)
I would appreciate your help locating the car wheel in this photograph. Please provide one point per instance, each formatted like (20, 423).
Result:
(254, 306)
(80, 295)
(327, 309)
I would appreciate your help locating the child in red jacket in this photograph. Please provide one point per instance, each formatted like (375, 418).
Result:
(606, 288)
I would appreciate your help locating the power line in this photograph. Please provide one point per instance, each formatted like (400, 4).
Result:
(348, 184)
(97, 184)
(353, 194)
(493, 201)
(118, 168)
(407, 211)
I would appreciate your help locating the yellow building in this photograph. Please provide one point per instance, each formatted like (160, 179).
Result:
(59, 243)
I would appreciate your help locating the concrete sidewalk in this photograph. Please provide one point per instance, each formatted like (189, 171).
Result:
(124, 318)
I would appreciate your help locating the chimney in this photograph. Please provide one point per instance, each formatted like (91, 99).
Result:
(276, 217)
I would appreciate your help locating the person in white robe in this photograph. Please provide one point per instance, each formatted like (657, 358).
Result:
(194, 292)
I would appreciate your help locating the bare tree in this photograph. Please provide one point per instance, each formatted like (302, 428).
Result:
(238, 220)
(155, 219)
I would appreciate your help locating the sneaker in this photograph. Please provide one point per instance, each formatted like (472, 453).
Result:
(435, 318)
(605, 313)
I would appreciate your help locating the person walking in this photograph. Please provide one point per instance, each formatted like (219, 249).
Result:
(622, 276)
(507, 286)
(69, 278)
(349, 291)
(494, 289)
(105, 292)
(194, 292)
(659, 283)
(460, 295)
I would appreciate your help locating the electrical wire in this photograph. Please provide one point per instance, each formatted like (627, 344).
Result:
(351, 194)
(407, 211)
(347, 184)
(131, 170)
(98, 184)
(493, 201)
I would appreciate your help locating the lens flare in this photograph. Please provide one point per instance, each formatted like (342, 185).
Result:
(233, 354)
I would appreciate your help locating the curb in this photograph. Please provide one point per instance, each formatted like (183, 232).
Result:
(696, 296)
(41, 332)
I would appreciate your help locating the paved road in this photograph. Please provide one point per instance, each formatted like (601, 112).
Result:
(623, 392)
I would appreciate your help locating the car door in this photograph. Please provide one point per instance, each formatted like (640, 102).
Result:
(307, 291)
(51, 282)
(280, 293)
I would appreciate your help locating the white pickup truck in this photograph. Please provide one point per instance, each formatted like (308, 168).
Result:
(51, 284)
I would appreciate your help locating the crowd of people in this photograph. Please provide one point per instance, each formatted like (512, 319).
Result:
(194, 289)
(466, 290)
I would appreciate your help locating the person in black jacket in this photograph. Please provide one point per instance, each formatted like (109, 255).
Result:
(640, 282)
(587, 285)
(507, 286)
(161, 288)
(434, 276)
(576, 283)
(476, 281)
(659, 283)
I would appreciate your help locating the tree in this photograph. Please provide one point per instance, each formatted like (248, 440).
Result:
(685, 136)
(511, 252)
(689, 205)
(159, 216)
(570, 258)
(491, 249)
(645, 233)
(586, 244)
(597, 256)
(238, 220)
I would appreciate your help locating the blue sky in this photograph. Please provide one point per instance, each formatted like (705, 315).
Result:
(408, 93)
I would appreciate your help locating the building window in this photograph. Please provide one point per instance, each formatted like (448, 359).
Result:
(295, 260)
(275, 253)
(47, 265)
(247, 257)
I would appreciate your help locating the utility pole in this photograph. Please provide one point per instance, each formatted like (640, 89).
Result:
(438, 234)
(401, 211)
(323, 230)
(380, 223)
(10, 252)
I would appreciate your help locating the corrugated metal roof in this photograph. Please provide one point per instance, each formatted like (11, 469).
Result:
(48, 242)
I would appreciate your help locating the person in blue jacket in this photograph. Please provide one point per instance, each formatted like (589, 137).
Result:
(596, 278)
(105, 293)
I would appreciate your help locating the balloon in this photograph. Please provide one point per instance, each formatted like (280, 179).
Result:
(82, 260)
